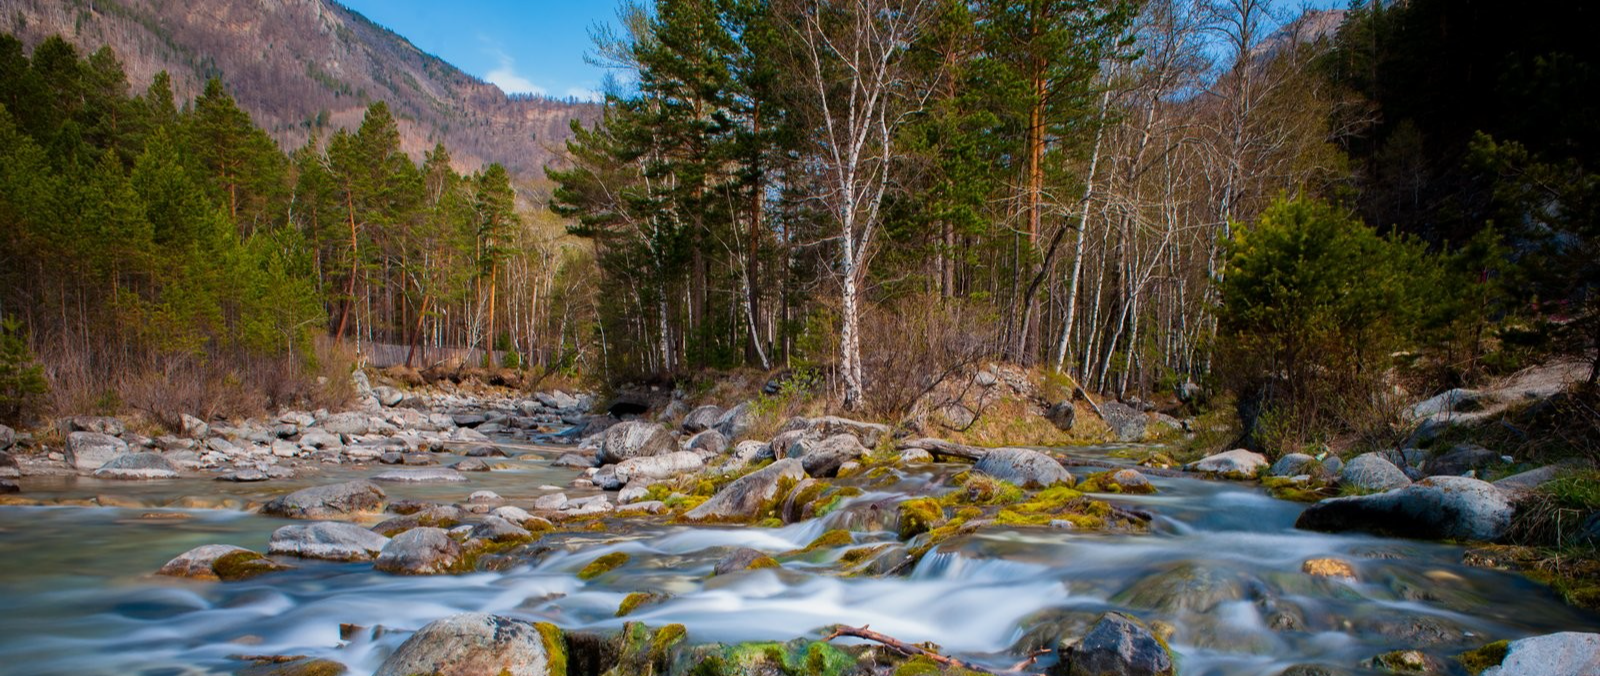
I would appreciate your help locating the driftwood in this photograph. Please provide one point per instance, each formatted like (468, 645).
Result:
(910, 650)
(949, 449)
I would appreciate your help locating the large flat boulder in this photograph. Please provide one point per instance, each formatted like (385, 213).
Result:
(658, 467)
(1024, 467)
(1117, 644)
(1568, 653)
(422, 475)
(1436, 508)
(472, 644)
(219, 562)
(1238, 463)
(328, 502)
(702, 418)
(745, 496)
(734, 422)
(329, 540)
(1371, 472)
(88, 451)
(137, 466)
(634, 439)
(824, 458)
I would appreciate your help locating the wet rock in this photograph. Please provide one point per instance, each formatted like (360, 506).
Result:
(1327, 567)
(745, 496)
(1117, 644)
(219, 562)
(1436, 508)
(1295, 464)
(1565, 654)
(1461, 459)
(573, 460)
(471, 465)
(473, 644)
(418, 459)
(734, 422)
(328, 502)
(484, 451)
(1063, 415)
(1187, 586)
(496, 529)
(90, 450)
(743, 558)
(1406, 662)
(1314, 670)
(702, 418)
(658, 467)
(707, 443)
(824, 458)
(643, 507)
(1235, 464)
(1126, 423)
(1370, 472)
(134, 466)
(594, 504)
(328, 540)
(418, 476)
(419, 551)
(1023, 467)
(634, 439)
(431, 516)
(826, 426)
(552, 501)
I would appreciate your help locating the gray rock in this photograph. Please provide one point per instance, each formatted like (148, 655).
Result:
(319, 439)
(1235, 464)
(702, 418)
(1333, 464)
(1063, 415)
(8, 437)
(88, 423)
(1436, 508)
(745, 496)
(915, 456)
(1126, 422)
(328, 502)
(1568, 653)
(633, 493)
(329, 540)
(201, 563)
(1526, 481)
(1461, 459)
(484, 451)
(432, 516)
(421, 475)
(418, 459)
(821, 428)
(90, 450)
(419, 551)
(957, 417)
(606, 478)
(471, 465)
(1295, 464)
(734, 422)
(746, 452)
(658, 467)
(1024, 467)
(552, 501)
(193, 427)
(824, 458)
(469, 419)
(137, 466)
(707, 443)
(634, 439)
(573, 460)
(743, 558)
(1453, 401)
(497, 529)
(1371, 472)
(245, 475)
(1117, 644)
(346, 424)
(9, 469)
(388, 396)
(471, 644)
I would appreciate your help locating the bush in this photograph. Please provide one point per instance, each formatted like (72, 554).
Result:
(1314, 306)
(22, 383)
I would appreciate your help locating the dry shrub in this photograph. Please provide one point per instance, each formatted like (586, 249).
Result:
(913, 346)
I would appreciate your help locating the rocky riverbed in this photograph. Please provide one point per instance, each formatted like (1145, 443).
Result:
(470, 534)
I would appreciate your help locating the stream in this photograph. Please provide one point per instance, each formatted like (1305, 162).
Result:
(1221, 566)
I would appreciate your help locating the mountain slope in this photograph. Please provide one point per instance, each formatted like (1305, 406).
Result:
(299, 65)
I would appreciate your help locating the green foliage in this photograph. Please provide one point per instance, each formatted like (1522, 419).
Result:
(22, 383)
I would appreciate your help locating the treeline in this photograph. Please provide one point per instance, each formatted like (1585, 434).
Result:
(1069, 181)
(173, 259)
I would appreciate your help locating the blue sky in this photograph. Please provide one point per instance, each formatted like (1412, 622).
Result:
(527, 46)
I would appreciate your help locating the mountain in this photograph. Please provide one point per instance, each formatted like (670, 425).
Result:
(304, 65)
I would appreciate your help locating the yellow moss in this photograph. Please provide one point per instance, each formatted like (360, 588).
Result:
(632, 602)
(919, 516)
(555, 648)
(1478, 660)
(602, 565)
(242, 565)
(981, 489)
(832, 539)
(763, 562)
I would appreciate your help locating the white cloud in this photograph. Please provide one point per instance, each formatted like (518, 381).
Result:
(509, 81)
(583, 94)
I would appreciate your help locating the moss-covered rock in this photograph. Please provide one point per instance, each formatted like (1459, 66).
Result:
(1477, 660)
(602, 565)
(919, 516)
(294, 666)
(637, 600)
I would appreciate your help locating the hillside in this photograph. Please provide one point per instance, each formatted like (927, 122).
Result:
(297, 65)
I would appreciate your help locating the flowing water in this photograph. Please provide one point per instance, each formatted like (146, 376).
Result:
(1221, 566)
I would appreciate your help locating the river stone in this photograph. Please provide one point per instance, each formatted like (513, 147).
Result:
(9, 469)
(9, 486)
(1436, 508)
(552, 501)
(137, 466)
(219, 562)
(734, 422)
(244, 475)
(328, 502)
(743, 558)
(1126, 422)
(606, 478)
(1461, 459)
(826, 426)
(746, 452)
(1370, 472)
(330, 540)
(707, 443)
(658, 467)
(1117, 644)
(1568, 653)
(915, 456)
(471, 644)
(347, 424)
(471, 465)
(419, 551)
(431, 515)
(90, 450)
(823, 458)
(745, 496)
(418, 476)
(634, 439)
(633, 493)
(1185, 586)
(573, 460)
(484, 451)
(299, 666)
(1295, 464)
(514, 514)
(1523, 482)
(1024, 467)
(497, 529)
(1235, 464)
(702, 418)
(1063, 415)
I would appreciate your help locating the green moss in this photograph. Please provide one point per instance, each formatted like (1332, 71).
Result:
(981, 489)
(919, 516)
(632, 602)
(1105, 482)
(832, 539)
(918, 666)
(242, 565)
(555, 648)
(1480, 659)
(831, 501)
(769, 522)
(763, 562)
(665, 638)
(859, 554)
(684, 503)
(602, 565)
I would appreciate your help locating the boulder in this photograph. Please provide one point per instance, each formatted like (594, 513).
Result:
(821, 428)
(473, 644)
(1436, 508)
(1370, 472)
(431, 516)
(419, 551)
(388, 396)
(1235, 464)
(734, 422)
(88, 451)
(746, 452)
(634, 439)
(658, 467)
(1526, 481)
(1117, 644)
(329, 540)
(497, 529)
(328, 502)
(1453, 401)
(707, 443)
(244, 475)
(824, 458)
(1024, 467)
(137, 466)
(471, 465)
(573, 460)
(193, 427)
(1461, 459)
(743, 558)
(701, 418)
(957, 416)
(421, 475)
(89, 423)
(219, 562)
(8, 437)
(347, 424)
(1568, 653)
(484, 451)
(1126, 422)
(552, 501)
(745, 496)
(1063, 415)
(1295, 464)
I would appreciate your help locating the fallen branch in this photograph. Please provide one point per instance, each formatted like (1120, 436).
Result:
(910, 650)
(949, 449)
